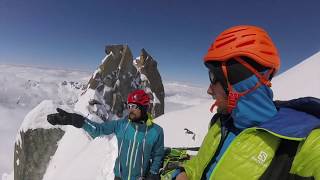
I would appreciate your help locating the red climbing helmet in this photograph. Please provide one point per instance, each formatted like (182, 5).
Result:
(139, 97)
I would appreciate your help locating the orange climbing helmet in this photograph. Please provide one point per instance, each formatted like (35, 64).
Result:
(244, 40)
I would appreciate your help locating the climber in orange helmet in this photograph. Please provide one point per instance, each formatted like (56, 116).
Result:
(251, 136)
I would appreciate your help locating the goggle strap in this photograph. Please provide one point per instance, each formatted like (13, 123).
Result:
(262, 78)
(225, 72)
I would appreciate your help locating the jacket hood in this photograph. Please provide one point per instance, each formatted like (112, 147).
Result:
(255, 107)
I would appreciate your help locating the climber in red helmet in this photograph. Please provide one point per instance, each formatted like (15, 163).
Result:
(251, 136)
(140, 141)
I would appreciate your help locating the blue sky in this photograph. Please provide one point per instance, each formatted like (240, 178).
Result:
(177, 33)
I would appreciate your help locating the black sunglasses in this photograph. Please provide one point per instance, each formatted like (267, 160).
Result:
(212, 77)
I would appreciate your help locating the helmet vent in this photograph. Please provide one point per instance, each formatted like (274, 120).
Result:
(226, 37)
(225, 43)
(248, 35)
(242, 29)
(245, 43)
(267, 52)
(265, 43)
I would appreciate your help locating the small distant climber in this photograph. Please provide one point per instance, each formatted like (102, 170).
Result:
(190, 132)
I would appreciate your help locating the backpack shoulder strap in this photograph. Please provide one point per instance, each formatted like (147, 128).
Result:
(280, 166)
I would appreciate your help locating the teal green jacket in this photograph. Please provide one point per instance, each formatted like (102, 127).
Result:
(140, 146)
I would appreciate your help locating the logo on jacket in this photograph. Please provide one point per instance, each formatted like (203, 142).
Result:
(261, 158)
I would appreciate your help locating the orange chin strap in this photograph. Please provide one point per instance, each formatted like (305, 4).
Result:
(234, 96)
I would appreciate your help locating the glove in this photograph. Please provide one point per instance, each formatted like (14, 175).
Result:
(65, 118)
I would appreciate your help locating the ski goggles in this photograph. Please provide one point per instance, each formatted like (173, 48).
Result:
(132, 106)
(212, 77)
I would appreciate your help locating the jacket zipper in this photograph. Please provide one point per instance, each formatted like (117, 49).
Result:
(135, 157)
(131, 154)
(225, 152)
(128, 153)
(224, 133)
(120, 149)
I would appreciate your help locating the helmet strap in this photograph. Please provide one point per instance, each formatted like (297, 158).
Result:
(264, 79)
(234, 96)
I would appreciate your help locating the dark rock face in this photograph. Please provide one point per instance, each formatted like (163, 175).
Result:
(148, 67)
(117, 76)
(32, 156)
(113, 80)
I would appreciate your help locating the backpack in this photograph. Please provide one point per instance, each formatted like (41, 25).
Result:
(173, 159)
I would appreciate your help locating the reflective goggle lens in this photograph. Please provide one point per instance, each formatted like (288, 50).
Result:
(132, 106)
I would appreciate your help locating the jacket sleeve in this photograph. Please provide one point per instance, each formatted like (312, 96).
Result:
(157, 154)
(307, 160)
(98, 129)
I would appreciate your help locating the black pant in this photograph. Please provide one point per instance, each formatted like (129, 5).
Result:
(155, 177)
(117, 178)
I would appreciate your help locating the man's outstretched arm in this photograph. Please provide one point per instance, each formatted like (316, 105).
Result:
(78, 121)
(98, 129)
